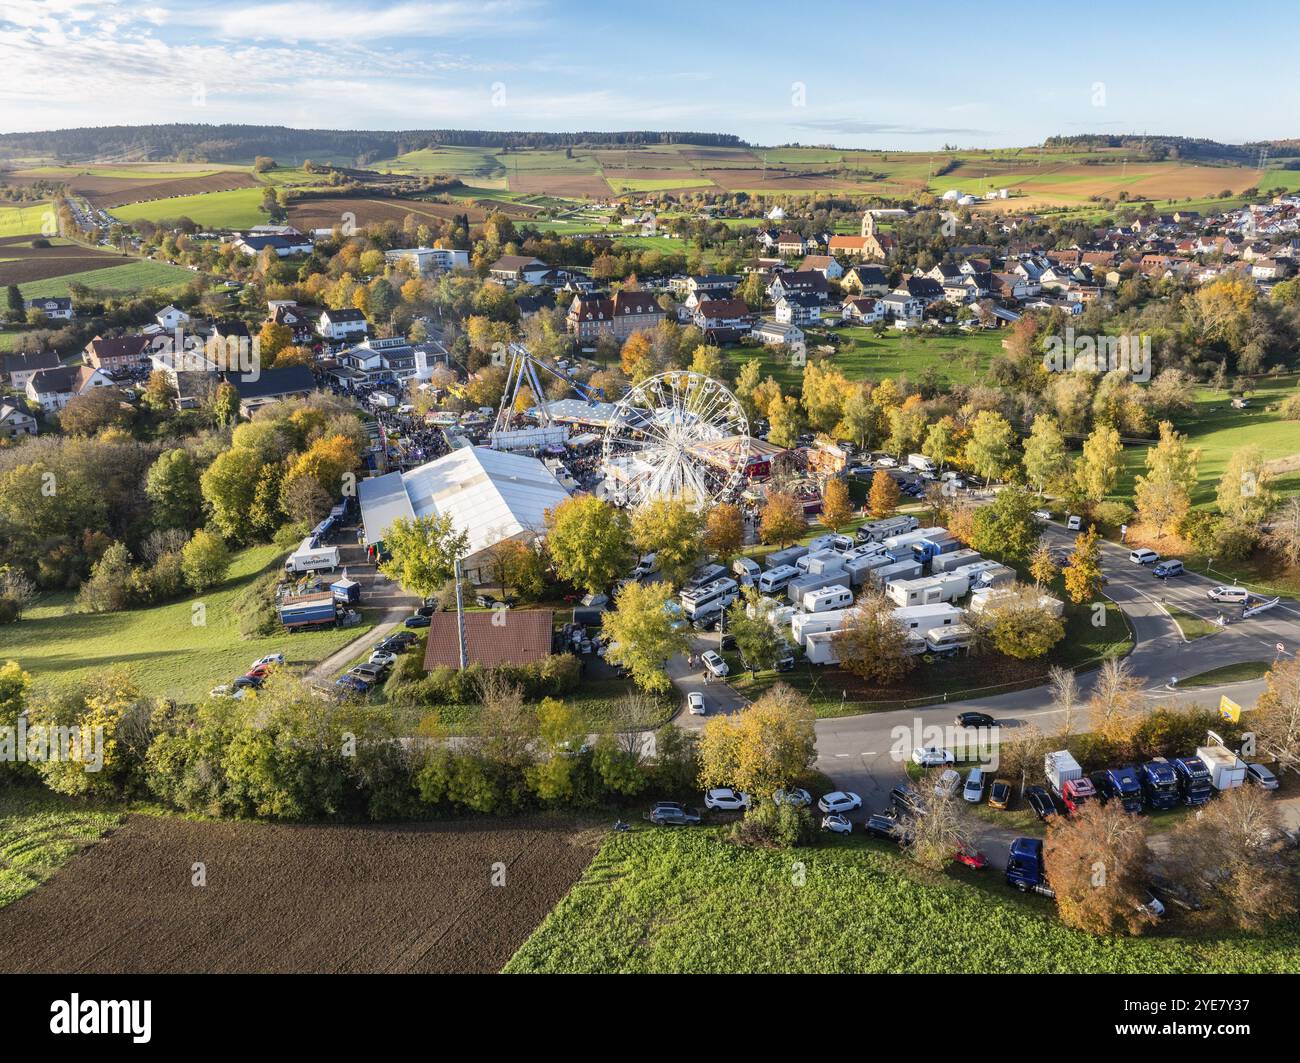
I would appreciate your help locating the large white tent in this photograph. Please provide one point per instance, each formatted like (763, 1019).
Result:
(490, 494)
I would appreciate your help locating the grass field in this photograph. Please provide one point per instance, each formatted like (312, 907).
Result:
(665, 900)
(40, 831)
(224, 210)
(128, 279)
(862, 356)
(1228, 673)
(23, 219)
(168, 653)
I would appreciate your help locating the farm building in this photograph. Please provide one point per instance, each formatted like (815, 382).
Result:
(490, 494)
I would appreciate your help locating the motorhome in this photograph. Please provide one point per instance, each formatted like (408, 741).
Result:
(947, 587)
(985, 598)
(877, 531)
(703, 575)
(710, 598)
(859, 568)
(775, 580)
(797, 588)
(920, 463)
(836, 596)
(950, 639)
(746, 570)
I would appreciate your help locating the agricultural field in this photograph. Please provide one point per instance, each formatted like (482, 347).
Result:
(40, 831)
(166, 650)
(131, 277)
(326, 212)
(23, 219)
(683, 900)
(234, 209)
(414, 898)
(21, 263)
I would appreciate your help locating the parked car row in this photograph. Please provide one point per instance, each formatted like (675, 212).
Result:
(363, 678)
(253, 679)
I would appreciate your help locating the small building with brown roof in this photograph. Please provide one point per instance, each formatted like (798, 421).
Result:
(509, 636)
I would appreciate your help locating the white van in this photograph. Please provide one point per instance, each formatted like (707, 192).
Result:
(945, 640)
(647, 566)
(1074, 523)
(1234, 595)
(832, 597)
(777, 579)
(1143, 556)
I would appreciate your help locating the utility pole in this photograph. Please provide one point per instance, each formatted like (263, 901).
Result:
(460, 615)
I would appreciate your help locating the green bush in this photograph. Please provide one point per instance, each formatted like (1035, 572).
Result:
(781, 826)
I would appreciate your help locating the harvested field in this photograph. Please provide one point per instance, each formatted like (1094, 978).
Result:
(20, 263)
(776, 180)
(560, 184)
(325, 213)
(298, 899)
(140, 192)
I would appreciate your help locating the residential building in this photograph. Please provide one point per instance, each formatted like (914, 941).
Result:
(776, 333)
(427, 260)
(55, 308)
(803, 282)
(866, 280)
(626, 312)
(295, 319)
(270, 385)
(284, 246)
(171, 318)
(17, 368)
(15, 422)
(113, 353)
(798, 309)
(861, 309)
(826, 265)
(722, 320)
(346, 324)
(53, 389)
(517, 269)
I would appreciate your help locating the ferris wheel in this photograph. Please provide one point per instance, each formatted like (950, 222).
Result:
(677, 435)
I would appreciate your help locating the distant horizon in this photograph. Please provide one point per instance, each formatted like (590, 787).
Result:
(681, 133)
(877, 80)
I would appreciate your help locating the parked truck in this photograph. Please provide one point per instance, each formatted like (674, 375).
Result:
(1124, 785)
(1194, 782)
(305, 612)
(1160, 784)
(1227, 770)
(312, 557)
(1067, 779)
(920, 463)
(1025, 870)
(928, 549)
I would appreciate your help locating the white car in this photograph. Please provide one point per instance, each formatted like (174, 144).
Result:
(797, 797)
(695, 703)
(932, 757)
(886, 462)
(383, 658)
(1236, 595)
(1073, 523)
(270, 658)
(726, 799)
(839, 801)
(837, 823)
(1143, 556)
(715, 664)
(973, 791)
(1042, 514)
(948, 783)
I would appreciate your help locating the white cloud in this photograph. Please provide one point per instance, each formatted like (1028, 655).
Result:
(297, 20)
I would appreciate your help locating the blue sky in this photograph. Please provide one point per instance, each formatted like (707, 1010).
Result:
(861, 74)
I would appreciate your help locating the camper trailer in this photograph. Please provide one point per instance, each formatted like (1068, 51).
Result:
(709, 599)
(922, 618)
(859, 568)
(820, 648)
(985, 598)
(956, 559)
(895, 570)
(796, 589)
(822, 563)
(836, 596)
(947, 587)
(788, 556)
(804, 624)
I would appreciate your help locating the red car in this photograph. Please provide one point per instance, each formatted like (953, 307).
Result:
(258, 671)
(971, 858)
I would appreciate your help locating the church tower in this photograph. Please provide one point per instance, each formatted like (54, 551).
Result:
(868, 223)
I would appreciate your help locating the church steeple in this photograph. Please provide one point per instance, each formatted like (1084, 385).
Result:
(868, 223)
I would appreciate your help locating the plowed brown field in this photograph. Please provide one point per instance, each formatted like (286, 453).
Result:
(325, 213)
(41, 263)
(297, 899)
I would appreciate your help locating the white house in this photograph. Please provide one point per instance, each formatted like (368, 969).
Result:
(798, 309)
(15, 422)
(775, 333)
(343, 324)
(426, 260)
(862, 309)
(55, 388)
(171, 318)
(55, 308)
(901, 307)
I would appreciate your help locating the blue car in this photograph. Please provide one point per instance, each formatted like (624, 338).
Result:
(1168, 568)
(416, 621)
